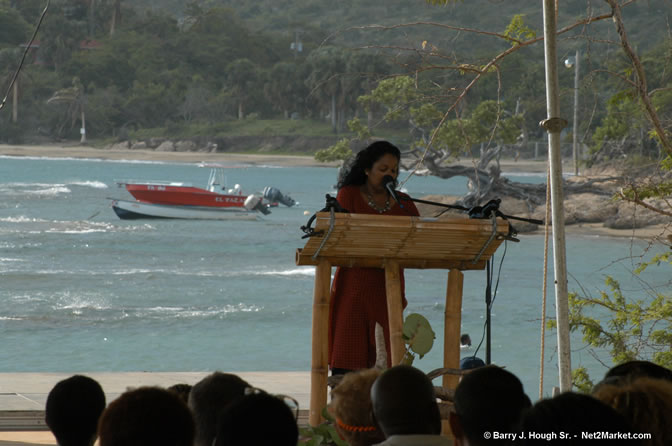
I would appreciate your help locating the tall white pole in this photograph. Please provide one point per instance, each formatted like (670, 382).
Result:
(554, 125)
(575, 124)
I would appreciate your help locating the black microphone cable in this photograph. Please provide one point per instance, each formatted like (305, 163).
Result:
(489, 272)
(23, 58)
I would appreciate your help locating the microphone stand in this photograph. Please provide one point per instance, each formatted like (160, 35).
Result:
(488, 304)
(477, 211)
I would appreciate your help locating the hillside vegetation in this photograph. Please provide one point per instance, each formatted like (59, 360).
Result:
(177, 68)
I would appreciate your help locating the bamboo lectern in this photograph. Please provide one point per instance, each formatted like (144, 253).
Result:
(391, 243)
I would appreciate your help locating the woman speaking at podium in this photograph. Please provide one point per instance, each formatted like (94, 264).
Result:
(358, 299)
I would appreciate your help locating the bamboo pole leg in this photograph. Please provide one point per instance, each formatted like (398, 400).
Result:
(320, 339)
(452, 326)
(394, 310)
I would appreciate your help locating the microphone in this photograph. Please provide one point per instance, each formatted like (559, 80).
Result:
(390, 183)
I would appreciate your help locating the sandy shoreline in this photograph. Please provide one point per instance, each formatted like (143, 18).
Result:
(87, 152)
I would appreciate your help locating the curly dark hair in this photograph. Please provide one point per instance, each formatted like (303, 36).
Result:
(353, 171)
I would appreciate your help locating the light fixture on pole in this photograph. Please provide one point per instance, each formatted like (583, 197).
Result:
(573, 61)
(297, 45)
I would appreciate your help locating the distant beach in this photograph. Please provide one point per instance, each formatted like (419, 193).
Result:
(83, 151)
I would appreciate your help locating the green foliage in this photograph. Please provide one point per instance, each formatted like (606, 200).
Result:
(10, 132)
(655, 190)
(518, 30)
(403, 98)
(362, 131)
(338, 152)
(418, 336)
(324, 434)
(243, 127)
(633, 329)
(30, 10)
(623, 117)
(341, 150)
(581, 380)
(394, 93)
(285, 88)
(666, 164)
(165, 44)
(13, 28)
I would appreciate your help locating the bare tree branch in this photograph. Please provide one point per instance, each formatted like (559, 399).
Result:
(642, 90)
(639, 202)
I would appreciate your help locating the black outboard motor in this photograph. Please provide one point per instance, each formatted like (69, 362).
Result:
(273, 195)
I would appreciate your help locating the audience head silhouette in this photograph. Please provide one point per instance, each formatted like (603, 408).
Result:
(208, 398)
(257, 419)
(646, 403)
(352, 408)
(572, 414)
(471, 362)
(73, 408)
(147, 416)
(488, 399)
(404, 402)
(182, 390)
(638, 369)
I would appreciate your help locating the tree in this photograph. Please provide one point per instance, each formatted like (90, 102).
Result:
(115, 21)
(241, 80)
(151, 104)
(620, 129)
(633, 329)
(14, 30)
(363, 71)
(448, 96)
(74, 99)
(195, 100)
(327, 65)
(60, 38)
(285, 88)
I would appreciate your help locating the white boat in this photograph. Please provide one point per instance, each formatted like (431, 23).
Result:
(133, 210)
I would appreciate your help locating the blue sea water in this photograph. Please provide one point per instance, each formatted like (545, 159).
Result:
(84, 291)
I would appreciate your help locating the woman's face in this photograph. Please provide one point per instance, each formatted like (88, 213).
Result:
(387, 164)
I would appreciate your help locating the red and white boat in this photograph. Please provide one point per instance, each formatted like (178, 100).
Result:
(184, 194)
(165, 199)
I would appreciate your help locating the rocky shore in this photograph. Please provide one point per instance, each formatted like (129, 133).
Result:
(295, 144)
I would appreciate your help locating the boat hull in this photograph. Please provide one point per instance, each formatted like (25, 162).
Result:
(134, 210)
(183, 196)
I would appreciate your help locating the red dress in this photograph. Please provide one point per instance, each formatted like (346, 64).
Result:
(358, 298)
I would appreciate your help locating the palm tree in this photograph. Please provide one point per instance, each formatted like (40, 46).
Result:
(91, 17)
(75, 99)
(116, 16)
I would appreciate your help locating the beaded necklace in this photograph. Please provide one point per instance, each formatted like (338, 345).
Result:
(350, 428)
(373, 204)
